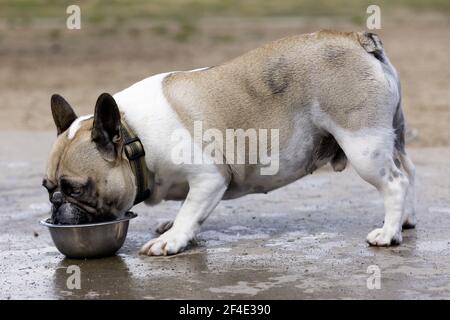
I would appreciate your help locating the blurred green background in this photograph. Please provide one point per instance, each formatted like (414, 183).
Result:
(100, 10)
(111, 15)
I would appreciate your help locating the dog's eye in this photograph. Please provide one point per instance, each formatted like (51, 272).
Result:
(76, 192)
(71, 189)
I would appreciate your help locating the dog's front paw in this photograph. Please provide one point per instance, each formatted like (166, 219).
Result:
(170, 242)
(383, 238)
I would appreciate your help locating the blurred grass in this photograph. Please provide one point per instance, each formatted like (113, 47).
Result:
(99, 11)
(110, 15)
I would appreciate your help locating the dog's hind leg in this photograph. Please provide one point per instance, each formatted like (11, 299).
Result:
(404, 163)
(164, 226)
(407, 166)
(371, 153)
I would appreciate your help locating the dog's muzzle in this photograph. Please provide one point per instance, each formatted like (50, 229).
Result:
(64, 212)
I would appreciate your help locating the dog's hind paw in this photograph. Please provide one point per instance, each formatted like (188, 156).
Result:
(410, 222)
(382, 238)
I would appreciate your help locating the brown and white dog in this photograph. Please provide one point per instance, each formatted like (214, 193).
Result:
(332, 96)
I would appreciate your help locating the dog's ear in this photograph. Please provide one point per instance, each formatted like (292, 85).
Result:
(106, 129)
(62, 112)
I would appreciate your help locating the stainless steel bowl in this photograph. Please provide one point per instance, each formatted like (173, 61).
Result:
(90, 240)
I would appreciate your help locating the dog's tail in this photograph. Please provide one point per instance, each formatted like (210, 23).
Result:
(372, 44)
(398, 123)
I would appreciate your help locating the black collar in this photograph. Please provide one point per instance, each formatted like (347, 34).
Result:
(134, 151)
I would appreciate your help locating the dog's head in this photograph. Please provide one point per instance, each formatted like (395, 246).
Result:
(88, 177)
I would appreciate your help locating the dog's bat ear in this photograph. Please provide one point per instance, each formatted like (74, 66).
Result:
(62, 112)
(106, 129)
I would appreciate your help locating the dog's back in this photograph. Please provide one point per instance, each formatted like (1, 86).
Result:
(266, 87)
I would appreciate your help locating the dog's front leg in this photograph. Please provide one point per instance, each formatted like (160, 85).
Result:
(205, 192)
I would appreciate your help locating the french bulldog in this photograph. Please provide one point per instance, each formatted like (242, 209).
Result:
(329, 97)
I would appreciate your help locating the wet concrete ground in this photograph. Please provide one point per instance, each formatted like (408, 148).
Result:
(306, 240)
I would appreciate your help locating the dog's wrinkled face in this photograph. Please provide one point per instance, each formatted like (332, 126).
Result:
(88, 177)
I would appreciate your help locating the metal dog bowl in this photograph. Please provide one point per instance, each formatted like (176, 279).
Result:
(93, 240)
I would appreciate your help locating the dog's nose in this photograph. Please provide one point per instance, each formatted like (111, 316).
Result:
(57, 199)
